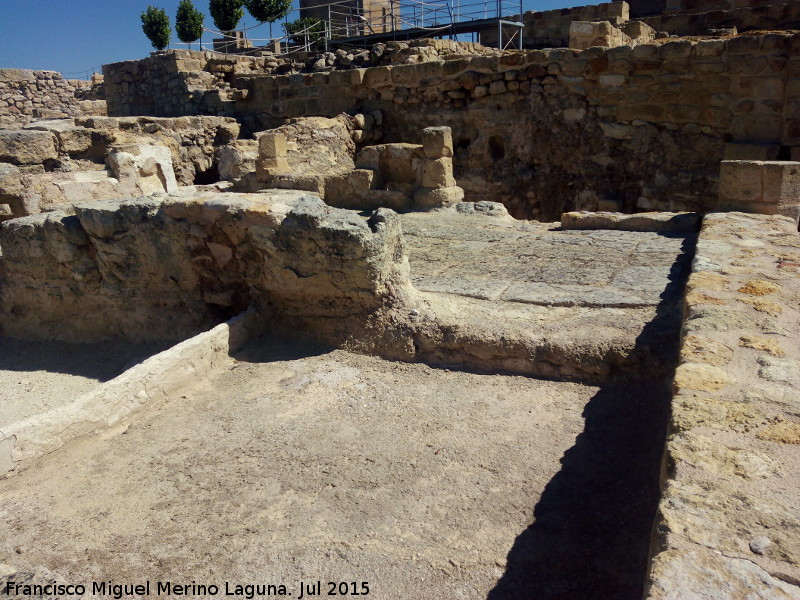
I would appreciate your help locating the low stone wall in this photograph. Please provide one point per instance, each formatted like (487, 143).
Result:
(728, 525)
(25, 95)
(162, 269)
(760, 186)
(544, 131)
(158, 378)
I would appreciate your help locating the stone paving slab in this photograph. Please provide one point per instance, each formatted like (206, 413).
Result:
(501, 259)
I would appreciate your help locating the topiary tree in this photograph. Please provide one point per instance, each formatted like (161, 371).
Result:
(188, 22)
(226, 13)
(155, 24)
(268, 11)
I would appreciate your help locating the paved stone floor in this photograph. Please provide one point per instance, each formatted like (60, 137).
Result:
(505, 260)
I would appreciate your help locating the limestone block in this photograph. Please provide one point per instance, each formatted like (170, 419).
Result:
(142, 169)
(650, 221)
(269, 167)
(497, 87)
(334, 259)
(588, 34)
(437, 173)
(764, 187)
(368, 158)
(361, 181)
(74, 140)
(10, 183)
(437, 142)
(27, 147)
(236, 159)
(430, 198)
(639, 31)
(620, 10)
(271, 145)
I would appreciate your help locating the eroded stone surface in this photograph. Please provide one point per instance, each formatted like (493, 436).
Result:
(513, 261)
(732, 460)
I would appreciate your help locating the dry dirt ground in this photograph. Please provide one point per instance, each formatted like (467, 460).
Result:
(309, 465)
(38, 376)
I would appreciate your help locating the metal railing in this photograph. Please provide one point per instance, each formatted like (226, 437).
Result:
(349, 20)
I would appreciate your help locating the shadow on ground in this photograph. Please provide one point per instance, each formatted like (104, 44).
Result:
(590, 535)
(101, 361)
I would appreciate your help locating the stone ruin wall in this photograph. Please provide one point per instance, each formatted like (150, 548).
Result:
(550, 29)
(641, 128)
(759, 17)
(26, 95)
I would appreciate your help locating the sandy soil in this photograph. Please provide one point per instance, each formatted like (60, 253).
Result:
(38, 376)
(310, 465)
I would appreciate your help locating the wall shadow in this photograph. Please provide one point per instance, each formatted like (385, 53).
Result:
(274, 346)
(590, 535)
(100, 360)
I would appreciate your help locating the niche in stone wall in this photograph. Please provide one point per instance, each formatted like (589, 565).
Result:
(497, 148)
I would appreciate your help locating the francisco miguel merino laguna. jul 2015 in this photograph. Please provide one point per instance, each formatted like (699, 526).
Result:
(123, 590)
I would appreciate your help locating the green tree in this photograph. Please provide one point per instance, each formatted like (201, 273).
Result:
(306, 29)
(226, 13)
(155, 24)
(268, 11)
(188, 22)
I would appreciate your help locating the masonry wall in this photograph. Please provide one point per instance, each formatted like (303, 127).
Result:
(550, 130)
(25, 95)
(550, 28)
(641, 8)
(769, 16)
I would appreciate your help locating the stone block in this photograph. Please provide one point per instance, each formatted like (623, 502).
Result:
(27, 147)
(764, 187)
(437, 142)
(497, 87)
(10, 183)
(588, 34)
(142, 169)
(431, 198)
(361, 181)
(271, 145)
(368, 158)
(437, 173)
(269, 167)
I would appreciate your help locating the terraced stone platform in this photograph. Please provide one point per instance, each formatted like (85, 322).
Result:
(506, 260)
(562, 304)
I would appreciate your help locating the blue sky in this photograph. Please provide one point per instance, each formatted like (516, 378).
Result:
(76, 36)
